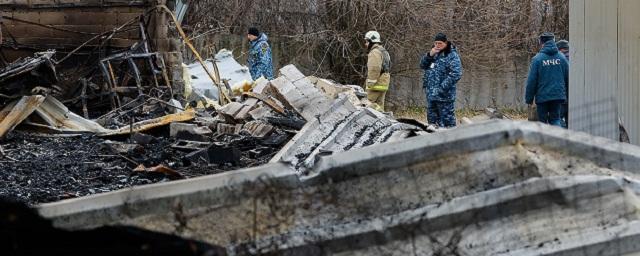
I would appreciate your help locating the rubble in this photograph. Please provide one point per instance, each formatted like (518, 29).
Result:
(272, 103)
(187, 145)
(136, 126)
(47, 169)
(229, 128)
(152, 123)
(160, 169)
(293, 165)
(495, 188)
(16, 112)
(143, 139)
(333, 125)
(300, 95)
(193, 132)
(122, 148)
(180, 142)
(24, 75)
(220, 154)
(146, 140)
(258, 129)
(155, 63)
(235, 111)
(51, 116)
(333, 90)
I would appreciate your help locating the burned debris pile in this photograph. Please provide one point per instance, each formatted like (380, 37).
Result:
(135, 128)
(46, 169)
(27, 75)
(338, 119)
(132, 136)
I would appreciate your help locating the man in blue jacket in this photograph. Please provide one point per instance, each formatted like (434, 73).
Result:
(563, 47)
(546, 84)
(442, 71)
(259, 61)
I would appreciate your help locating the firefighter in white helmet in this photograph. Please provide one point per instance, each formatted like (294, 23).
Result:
(378, 70)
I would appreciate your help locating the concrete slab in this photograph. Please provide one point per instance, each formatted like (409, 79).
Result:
(296, 91)
(116, 206)
(482, 207)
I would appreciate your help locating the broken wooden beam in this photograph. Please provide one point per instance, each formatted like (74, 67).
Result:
(267, 100)
(152, 123)
(14, 113)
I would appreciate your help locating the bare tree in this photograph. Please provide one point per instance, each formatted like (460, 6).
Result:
(326, 35)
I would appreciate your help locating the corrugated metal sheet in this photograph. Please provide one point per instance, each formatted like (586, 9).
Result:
(594, 74)
(577, 71)
(629, 67)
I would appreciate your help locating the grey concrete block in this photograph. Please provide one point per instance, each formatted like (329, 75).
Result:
(292, 73)
(177, 128)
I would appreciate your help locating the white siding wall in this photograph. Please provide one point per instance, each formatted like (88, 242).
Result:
(629, 66)
(605, 67)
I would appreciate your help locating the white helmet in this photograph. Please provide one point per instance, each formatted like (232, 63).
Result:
(373, 36)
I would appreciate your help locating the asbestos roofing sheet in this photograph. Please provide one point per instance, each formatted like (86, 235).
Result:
(231, 70)
(201, 82)
(228, 68)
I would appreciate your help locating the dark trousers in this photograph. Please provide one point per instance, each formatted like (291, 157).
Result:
(442, 114)
(550, 112)
(565, 115)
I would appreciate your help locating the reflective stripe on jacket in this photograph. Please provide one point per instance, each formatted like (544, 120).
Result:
(378, 69)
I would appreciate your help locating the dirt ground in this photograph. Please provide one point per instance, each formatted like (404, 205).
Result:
(419, 113)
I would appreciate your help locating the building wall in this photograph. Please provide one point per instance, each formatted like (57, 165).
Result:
(629, 67)
(479, 88)
(64, 16)
(605, 67)
(37, 25)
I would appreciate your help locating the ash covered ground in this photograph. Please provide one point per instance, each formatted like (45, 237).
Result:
(39, 169)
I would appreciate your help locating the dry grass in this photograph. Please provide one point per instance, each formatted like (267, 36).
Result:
(419, 113)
